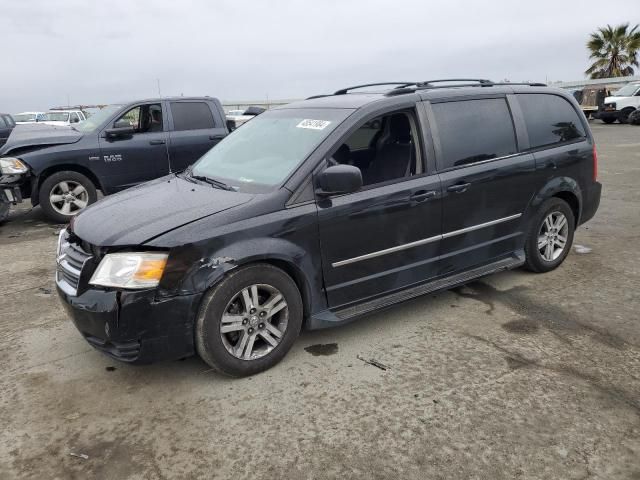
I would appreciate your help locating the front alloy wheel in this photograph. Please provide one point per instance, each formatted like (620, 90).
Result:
(68, 197)
(249, 320)
(254, 322)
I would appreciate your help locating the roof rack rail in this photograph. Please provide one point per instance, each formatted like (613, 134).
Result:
(477, 83)
(400, 85)
(481, 81)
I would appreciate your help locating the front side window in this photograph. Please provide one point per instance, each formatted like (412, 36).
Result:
(266, 150)
(191, 116)
(143, 118)
(3, 124)
(384, 148)
(473, 131)
(550, 119)
(74, 118)
(9, 120)
(25, 117)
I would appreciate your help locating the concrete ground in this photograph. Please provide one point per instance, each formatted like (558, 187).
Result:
(515, 376)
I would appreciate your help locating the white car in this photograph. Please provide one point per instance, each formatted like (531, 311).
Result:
(235, 118)
(28, 117)
(64, 117)
(621, 104)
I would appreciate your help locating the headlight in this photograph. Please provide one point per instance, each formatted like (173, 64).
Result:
(130, 270)
(12, 166)
(62, 242)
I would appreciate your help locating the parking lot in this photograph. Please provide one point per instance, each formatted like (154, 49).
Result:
(514, 376)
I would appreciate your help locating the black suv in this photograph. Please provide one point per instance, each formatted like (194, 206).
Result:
(320, 211)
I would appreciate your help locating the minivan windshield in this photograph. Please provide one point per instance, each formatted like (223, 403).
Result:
(627, 90)
(263, 152)
(97, 119)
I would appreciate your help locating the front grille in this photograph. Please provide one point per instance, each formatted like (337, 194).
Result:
(71, 260)
(124, 351)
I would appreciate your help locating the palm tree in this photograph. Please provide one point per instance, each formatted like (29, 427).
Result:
(615, 51)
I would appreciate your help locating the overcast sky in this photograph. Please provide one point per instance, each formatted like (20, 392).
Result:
(105, 51)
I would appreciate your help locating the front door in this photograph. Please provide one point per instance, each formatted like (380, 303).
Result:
(486, 183)
(386, 236)
(138, 157)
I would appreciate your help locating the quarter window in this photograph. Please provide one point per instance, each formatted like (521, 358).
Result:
(472, 131)
(550, 119)
(191, 116)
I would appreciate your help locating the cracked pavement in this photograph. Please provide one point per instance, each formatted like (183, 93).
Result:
(514, 376)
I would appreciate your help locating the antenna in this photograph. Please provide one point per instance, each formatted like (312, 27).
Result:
(159, 93)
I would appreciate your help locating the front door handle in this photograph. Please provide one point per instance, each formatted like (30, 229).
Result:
(422, 195)
(458, 187)
(157, 142)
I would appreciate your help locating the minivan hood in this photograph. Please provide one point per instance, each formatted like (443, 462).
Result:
(137, 215)
(35, 134)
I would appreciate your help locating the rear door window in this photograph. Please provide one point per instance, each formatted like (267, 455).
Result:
(473, 131)
(191, 116)
(550, 119)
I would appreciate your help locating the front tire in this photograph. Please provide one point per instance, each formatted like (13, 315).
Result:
(4, 211)
(624, 115)
(550, 236)
(608, 120)
(249, 321)
(65, 194)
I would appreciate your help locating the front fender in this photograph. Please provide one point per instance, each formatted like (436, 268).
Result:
(195, 271)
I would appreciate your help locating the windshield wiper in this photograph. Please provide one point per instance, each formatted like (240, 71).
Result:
(214, 182)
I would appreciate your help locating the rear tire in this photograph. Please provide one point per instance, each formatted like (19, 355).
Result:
(624, 115)
(608, 120)
(65, 194)
(249, 321)
(550, 236)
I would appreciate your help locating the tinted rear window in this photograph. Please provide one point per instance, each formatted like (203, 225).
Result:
(191, 116)
(550, 119)
(474, 130)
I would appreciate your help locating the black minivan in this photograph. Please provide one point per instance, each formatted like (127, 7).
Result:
(323, 210)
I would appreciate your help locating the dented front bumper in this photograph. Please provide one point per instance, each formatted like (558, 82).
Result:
(134, 326)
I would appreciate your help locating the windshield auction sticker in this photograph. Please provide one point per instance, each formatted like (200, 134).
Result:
(313, 124)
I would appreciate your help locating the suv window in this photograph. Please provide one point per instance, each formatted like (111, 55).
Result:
(74, 118)
(2, 122)
(143, 118)
(384, 149)
(191, 116)
(9, 120)
(550, 119)
(473, 131)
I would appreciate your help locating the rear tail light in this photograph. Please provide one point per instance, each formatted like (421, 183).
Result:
(595, 163)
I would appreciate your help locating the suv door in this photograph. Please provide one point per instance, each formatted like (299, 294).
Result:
(138, 157)
(194, 130)
(487, 184)
(386, 236)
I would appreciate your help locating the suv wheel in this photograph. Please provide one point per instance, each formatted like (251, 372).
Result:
(249, 321)
(64, 194)
(624, 115)
(550, 236)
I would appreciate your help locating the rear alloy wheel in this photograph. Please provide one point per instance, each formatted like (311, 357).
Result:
(550, 236)
(249, 321)
(64, 194)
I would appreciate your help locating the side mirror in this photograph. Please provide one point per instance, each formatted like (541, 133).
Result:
(231, 125)
(120, 128)
(339, 179)
(75, 120)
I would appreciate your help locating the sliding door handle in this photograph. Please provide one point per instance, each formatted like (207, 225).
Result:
(458, 187)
